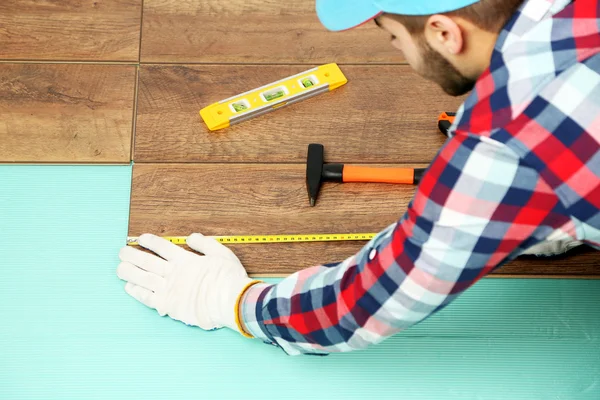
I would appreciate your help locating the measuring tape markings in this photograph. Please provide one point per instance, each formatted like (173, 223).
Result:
(249, 239)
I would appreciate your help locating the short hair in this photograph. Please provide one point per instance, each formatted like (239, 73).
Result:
(489, 15)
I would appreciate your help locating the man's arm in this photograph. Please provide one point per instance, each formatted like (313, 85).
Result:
(477, 207)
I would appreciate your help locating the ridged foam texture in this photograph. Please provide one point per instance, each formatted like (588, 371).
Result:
(69, 331)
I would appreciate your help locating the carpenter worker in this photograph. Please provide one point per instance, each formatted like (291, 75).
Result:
(519, 173)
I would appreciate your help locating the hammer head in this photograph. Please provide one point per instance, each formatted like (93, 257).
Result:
(314, 171)
(317, 171)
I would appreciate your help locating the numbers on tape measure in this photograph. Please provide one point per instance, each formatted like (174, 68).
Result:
(132, 240)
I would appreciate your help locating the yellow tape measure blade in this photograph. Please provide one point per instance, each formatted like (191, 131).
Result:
(295, 238)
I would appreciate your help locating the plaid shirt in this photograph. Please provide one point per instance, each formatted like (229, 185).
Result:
(521, 166)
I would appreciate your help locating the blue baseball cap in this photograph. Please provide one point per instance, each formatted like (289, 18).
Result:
(340, 15)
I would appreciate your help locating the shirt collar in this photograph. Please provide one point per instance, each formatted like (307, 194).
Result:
(529, 14)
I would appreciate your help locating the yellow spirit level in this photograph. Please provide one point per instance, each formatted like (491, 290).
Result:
(270, 97)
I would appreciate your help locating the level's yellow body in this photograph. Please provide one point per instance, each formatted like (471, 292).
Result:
(267, 98)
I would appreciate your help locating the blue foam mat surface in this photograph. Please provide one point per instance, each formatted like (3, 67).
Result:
(69, 331)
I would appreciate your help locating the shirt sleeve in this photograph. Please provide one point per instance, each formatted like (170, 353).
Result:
(477, 207)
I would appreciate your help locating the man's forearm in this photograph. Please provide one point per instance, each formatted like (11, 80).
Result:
(336, 308)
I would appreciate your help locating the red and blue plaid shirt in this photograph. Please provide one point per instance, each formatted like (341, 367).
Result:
(522, 166)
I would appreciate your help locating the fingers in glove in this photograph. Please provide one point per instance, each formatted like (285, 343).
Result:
(209, 246)
(145, 261)
(144, 296)
(130, 273)
(160, 246)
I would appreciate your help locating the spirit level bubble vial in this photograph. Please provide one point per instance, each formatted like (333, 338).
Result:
(270, 97)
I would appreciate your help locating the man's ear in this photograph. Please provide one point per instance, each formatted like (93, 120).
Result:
(444, 34)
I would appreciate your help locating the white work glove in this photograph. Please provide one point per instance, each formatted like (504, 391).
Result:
(188, 287)
(550, 248)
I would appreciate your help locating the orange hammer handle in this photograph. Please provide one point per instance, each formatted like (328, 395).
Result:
(353, 173)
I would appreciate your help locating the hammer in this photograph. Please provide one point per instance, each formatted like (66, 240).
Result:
(317, 172)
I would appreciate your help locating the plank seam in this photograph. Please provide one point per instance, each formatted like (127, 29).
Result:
(134, 116)
(264, 63)
(85, 62)
(418, 164)
(141, 31)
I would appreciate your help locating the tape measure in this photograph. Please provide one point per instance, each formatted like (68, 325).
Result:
(270, 97)
(445, 121)
(248, 239)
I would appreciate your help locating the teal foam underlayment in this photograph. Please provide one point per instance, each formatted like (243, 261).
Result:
(69, 331)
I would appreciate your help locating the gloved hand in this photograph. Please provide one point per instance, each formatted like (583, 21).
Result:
(197, 290)
(550, 248)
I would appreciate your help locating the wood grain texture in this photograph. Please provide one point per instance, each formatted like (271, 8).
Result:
(66, 112)
(89, 30)
(254, 31)
(383, 114)
(234, 199)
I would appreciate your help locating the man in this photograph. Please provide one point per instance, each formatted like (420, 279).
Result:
(521, 168)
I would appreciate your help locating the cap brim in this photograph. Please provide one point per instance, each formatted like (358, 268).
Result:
(340, 15)
(421, 7)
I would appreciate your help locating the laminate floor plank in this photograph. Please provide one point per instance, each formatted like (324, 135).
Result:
(66, 112)
(242, 199)
(254, 31)
(81, 30)
(384, 114)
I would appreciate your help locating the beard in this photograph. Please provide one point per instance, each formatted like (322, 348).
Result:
(437, 69)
